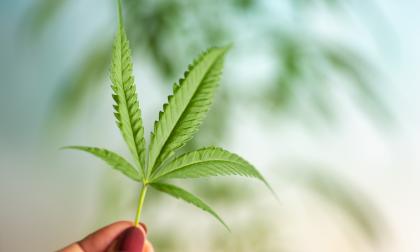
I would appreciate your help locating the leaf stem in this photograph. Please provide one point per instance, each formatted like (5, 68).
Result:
(140, 204)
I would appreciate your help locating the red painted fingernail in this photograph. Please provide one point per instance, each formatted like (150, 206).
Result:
(131, 240)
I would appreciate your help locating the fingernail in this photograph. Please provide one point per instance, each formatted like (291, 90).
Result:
(144, 227)
(131, 240)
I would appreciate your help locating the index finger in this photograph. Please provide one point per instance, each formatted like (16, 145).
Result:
(100, 240)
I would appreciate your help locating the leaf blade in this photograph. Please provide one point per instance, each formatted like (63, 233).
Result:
(206, 162)
(180, 193)
(186, 108)
(113, 159)
(127, 108)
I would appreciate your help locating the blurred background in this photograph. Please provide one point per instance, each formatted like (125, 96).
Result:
(320, 95)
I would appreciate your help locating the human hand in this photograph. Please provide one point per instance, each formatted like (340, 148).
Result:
(120, 236)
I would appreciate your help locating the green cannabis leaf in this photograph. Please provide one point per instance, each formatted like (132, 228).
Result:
(188, 197)
(210, 161)
(180, 119)
(113, 159)
(187, 107)
(127, 110)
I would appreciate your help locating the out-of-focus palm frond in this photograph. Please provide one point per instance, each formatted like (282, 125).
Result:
(77, 85)
(345, 197)
(41, 14)
(359, 72)
(306, 71)
(304, 63)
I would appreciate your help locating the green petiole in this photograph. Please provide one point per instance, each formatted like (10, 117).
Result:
(142, 196)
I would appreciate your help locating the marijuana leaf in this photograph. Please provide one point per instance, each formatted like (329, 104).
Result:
(205, 162)
(177, 124)
(127, 110)
(188, 197)
(187, 107)
(113, 159)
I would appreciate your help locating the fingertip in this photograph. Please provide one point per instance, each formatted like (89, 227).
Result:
(132, 240)
(104, 237)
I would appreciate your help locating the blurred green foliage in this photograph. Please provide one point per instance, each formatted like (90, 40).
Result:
(341, 194)
(78, 84)
(168, 33)
(41, 15)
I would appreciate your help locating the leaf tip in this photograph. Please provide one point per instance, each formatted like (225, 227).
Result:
(65, 148)
(276, 196)
(229, 46)
(120, 15)
(226, 226)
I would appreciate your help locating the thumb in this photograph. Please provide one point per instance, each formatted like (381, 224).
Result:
(130, 240)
